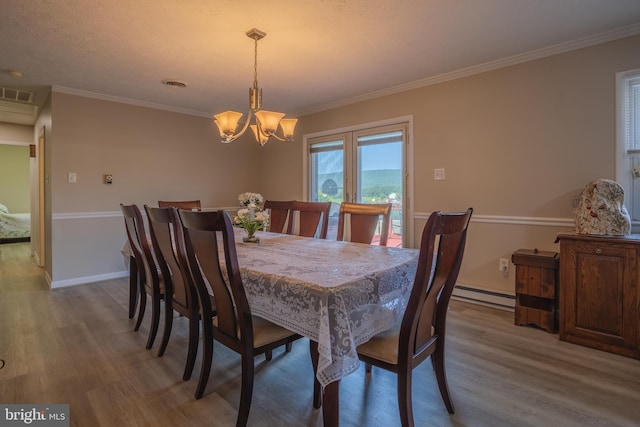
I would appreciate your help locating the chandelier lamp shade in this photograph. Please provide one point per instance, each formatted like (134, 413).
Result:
(266, 123)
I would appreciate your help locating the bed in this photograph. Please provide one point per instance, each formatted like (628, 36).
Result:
(14, 227)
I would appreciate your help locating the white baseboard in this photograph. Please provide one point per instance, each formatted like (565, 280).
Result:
(484, 297)
(88, 279)
(36, 258)
(47, 278)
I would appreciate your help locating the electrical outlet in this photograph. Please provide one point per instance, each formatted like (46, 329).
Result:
(503, 265)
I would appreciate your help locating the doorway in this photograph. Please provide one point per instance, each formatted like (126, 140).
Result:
(361, 166)
(41, 191)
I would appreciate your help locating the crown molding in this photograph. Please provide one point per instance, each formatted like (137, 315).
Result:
(138, 103)
(18, 143)
(619, 33)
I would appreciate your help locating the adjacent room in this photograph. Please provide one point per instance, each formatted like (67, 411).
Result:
(15, 196)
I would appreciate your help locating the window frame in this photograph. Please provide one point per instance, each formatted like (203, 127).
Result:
(626, 161)
(406, 121)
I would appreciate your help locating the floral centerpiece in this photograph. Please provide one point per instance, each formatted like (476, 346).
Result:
(251, 216)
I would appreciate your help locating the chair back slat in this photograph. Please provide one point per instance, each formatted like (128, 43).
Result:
(210, 242)
(278, 214)
(168, 243)
(363, 220)
(441, 252)
(312, 219)
(138, 240)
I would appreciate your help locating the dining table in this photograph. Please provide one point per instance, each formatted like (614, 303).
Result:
(338, 294)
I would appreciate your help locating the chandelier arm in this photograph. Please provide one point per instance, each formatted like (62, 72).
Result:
(275, 135)
(246, 123)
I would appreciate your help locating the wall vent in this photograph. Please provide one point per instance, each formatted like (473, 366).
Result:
(19, 95)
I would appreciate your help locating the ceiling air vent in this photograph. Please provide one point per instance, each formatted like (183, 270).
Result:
(7, 94)
(174, 83)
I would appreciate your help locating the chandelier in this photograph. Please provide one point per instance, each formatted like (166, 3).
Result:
(266, 121)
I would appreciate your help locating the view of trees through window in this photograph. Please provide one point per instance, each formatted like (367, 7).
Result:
(378, 186)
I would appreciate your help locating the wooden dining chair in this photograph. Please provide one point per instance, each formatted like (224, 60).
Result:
(168, 245)
(311, 219)
(134, 281)
(183, 204)
(212, 258)
(422, 331)
(279, 213)
(363, 220)
(151, 282)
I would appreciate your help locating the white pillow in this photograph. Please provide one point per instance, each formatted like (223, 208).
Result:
(4, 209)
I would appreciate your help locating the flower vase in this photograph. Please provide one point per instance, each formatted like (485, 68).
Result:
(251, 237)
(250, 217)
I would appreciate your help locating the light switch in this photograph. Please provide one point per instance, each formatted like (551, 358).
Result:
(71, 178)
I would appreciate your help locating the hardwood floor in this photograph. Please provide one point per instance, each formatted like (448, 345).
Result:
(76, 345)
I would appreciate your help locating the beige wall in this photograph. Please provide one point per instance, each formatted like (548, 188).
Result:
(152, 155)
(12, 133)
(517, 143)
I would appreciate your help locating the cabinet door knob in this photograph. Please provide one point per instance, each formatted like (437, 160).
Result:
(598, 251)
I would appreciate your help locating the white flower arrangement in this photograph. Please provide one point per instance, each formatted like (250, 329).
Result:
(251, 217)
(253, 200)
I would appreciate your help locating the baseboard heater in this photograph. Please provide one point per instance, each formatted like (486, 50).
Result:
(484, 297)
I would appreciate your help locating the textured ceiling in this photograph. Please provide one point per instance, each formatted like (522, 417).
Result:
(317, 53)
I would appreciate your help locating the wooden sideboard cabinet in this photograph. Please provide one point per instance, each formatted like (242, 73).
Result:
(599, 292)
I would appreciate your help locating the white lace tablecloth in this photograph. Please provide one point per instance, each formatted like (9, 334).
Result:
(339, 294)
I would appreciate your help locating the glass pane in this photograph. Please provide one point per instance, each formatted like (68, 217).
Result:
(327, 178)
(634, 116)
(632, 201)
(632, 130)
(380, 178)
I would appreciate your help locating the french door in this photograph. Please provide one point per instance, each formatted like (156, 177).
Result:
(363, 166)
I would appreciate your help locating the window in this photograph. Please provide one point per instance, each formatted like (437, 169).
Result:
(361, 165)
(628, 157)
(632, 112)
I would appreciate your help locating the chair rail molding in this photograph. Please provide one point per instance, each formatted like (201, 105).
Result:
(462, 291)
(117, 214)
(515, 220)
